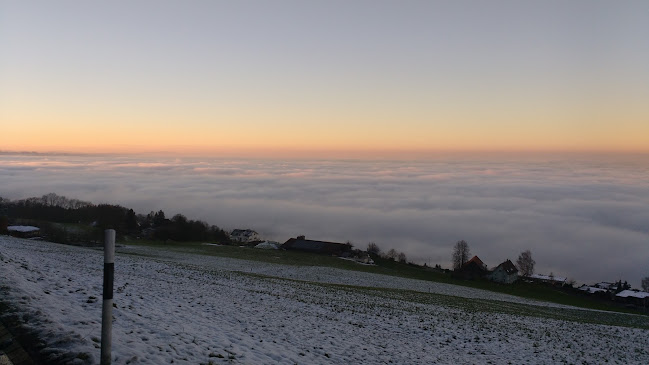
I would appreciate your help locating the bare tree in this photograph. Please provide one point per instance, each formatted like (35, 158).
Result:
(460, 254)
(525, 263)
(373, 248)
(645, 284)
(402, 257)
(54, 200)
(392, 254)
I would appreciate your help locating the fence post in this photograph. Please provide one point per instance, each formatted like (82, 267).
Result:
(107, 306)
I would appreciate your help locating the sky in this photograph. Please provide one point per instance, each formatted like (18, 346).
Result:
(323, 78)
(511, 124)
(583, 218)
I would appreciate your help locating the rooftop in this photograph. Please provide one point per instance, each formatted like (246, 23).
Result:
(547, 277)
(633, 294)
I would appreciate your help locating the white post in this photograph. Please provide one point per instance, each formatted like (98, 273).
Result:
(107, 307)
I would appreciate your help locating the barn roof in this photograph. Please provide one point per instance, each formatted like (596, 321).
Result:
(243, 232)
(23, 229)
(476, 260)
(591, 289)
(508, 267)
(548, 278)
(303, 244)
(632, 293)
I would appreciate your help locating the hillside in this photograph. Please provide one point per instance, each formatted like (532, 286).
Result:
(185, 307)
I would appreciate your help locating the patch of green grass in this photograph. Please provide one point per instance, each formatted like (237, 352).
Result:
(496, 306)
(473, 305)
(534, 291)
(295, 258)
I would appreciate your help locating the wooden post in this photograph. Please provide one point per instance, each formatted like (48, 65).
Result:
(107, 307)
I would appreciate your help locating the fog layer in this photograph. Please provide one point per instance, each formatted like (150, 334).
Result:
(584, 218)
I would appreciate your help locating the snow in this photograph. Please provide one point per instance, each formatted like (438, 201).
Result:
(591, 289)
(267, 245)
(190, 309)
(632, 293)
(548, 277)
(23, 229)
(605, 285)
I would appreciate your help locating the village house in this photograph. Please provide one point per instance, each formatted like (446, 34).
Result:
(634, 298)
(244, 235)
(592, 289)
(300, 243)
(606, 286)
(548, 279)
(24, 231)
(505, 273)
(472, 269)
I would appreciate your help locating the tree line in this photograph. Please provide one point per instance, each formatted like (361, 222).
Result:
(179, 228)
(391, 254)
(54, 214)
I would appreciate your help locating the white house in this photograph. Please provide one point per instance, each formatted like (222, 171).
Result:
(505, 273)
(244, 235)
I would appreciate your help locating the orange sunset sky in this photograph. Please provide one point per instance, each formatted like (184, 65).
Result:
(322, 77)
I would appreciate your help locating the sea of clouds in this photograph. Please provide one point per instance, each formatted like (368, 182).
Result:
(584, 217)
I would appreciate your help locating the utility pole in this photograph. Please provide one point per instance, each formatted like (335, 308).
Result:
(107, 305)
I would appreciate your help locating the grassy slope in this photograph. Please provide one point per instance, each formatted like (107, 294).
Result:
(386, 267)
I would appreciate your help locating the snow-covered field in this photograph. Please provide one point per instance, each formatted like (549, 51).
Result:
(189, 309)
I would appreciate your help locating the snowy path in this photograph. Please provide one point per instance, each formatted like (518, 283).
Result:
(207, 309)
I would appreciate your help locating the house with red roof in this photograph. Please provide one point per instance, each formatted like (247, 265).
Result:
(472, 269)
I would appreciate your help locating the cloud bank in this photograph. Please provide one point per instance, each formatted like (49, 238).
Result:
(585, 218)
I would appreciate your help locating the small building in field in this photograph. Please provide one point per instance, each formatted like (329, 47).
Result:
(268, 245)
(606, 286)
(362, 257)
(505, 273)
(244, 235)
(472, 269)
(635, 298)
(592, 289)
(548, 279)
(300, 243)
(24, 231)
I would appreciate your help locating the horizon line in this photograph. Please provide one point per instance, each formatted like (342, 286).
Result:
(301, 153)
